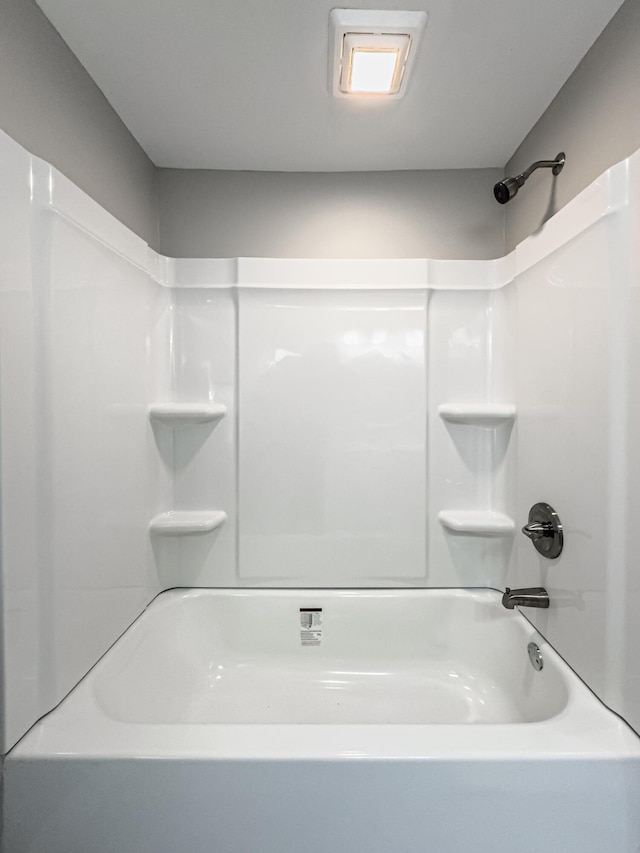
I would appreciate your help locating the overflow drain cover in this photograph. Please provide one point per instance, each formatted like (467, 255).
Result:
(535, 656)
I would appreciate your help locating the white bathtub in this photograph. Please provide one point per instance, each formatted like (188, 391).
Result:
(398, 720)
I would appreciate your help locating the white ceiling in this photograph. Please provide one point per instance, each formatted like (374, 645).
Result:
(242, 84)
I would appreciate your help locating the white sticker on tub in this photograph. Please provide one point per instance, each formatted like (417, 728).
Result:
(310, 626)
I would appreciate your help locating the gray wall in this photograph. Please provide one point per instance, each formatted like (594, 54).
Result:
(50, 105)
(446, 214)
(595, 120)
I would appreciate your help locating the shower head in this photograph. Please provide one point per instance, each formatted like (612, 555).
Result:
(505, 190)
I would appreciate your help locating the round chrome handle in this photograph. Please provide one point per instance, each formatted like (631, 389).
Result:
(545, 530)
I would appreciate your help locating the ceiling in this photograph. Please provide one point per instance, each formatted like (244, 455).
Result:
(243, 84)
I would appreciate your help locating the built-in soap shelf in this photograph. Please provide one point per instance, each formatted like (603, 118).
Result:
(478, 414)
(183, 522)
(477, 522)
(182, 414)
(186, 523)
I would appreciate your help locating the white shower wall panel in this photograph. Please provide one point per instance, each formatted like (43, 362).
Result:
(629, 671)
(578, 421)
(563, 316)
(80, 325)
(332, 426)
(96, 361)
(471, 467)
(204, 456)
(228, 313)
(18, 424)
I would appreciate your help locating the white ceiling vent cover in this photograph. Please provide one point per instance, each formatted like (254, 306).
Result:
(371, 52)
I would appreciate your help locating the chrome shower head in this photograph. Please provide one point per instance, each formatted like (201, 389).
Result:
(505, 190)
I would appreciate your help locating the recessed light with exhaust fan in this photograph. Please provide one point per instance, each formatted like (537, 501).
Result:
(371, 52)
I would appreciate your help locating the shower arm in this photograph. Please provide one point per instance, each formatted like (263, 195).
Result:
(555, 166)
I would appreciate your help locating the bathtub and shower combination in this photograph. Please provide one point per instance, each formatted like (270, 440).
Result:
(350, 681)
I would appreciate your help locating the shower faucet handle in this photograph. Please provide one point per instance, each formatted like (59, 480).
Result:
(545, 530)
(537, 529)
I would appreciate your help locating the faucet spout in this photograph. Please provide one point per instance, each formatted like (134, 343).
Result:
(532, 596)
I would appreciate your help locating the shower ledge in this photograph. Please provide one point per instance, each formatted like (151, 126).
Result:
(185, 523)
(478, 414)
(177, 414)
(477, 522)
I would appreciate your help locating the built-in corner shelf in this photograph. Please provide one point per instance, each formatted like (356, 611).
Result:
(476, 522)
(478, 414)
(178, 414)
(181, 523)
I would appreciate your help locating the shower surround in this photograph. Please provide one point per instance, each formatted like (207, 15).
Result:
(266, 423)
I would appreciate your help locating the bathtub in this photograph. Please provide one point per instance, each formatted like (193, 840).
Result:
(326, 720)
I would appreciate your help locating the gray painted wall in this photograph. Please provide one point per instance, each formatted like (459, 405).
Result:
(436, 214)
(594, 119)
(50, 105)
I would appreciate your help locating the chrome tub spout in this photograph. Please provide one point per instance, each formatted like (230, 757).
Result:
(532, 596)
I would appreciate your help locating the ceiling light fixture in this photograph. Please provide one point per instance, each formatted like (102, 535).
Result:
(371, 52)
